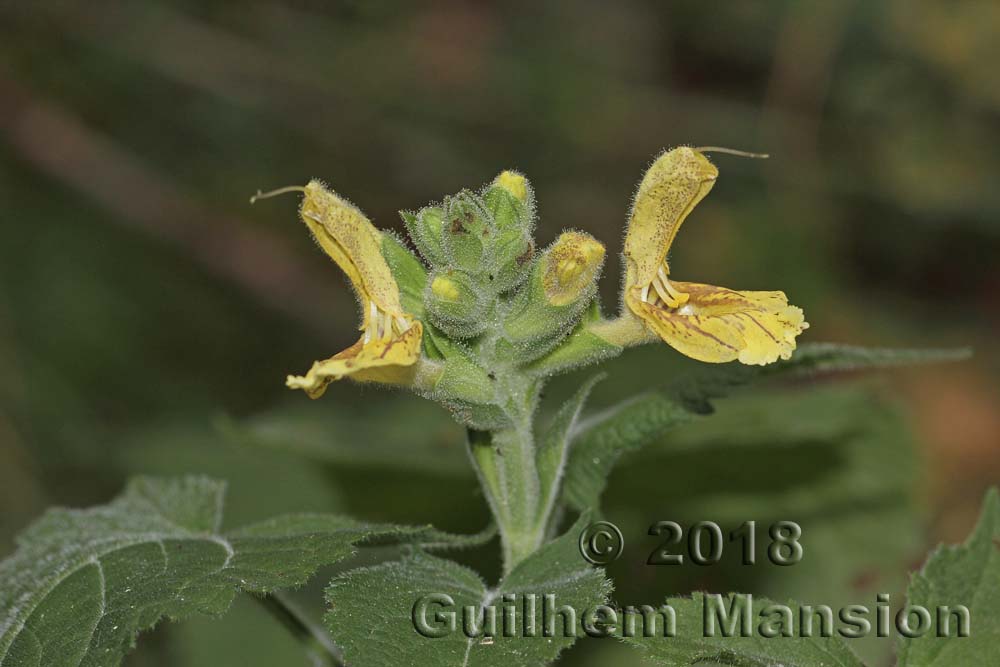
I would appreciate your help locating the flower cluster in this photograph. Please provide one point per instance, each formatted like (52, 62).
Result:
(484, 307)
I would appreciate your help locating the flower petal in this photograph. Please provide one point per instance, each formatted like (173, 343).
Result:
(387, 361)
(354, 243)
(671, 188)
(718, 325)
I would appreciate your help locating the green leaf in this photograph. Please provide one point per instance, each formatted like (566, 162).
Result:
(553, 446)
(410, 274)
(84, 583)
(633, 423)
(966, 575)
(411, 277)
(691, 646)
(829, 357)
(465, 388)
(372, 609)
(606, 436)
(953, 577)
(809, 360)
(838, 460)
(394, 432)
(580, 348)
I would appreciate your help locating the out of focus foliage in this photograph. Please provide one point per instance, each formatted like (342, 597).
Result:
(148, 315)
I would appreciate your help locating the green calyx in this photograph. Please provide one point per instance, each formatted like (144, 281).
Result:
(426, 230)
(487, 235)
(562, 283)
(511, 202)
(468, 232)
(456, 304)
(498, 316)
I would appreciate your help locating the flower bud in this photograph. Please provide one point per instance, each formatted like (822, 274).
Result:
(514, 183)
(446, 289)
(454, 304)
(563, 281)
(426, 230)
(509, 199)
(570, 267)
(468, 231)
(512, 256)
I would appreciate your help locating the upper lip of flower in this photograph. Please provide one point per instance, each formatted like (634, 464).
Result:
(670, 190)
(355, 245)
(349, 238)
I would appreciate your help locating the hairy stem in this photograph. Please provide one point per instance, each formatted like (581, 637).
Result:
(505, 463)
(626, 330)
(516, 449)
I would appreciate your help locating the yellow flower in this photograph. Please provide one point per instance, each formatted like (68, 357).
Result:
(390, 345)
(705, 322)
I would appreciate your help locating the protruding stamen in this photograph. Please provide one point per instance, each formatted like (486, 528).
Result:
(731, 151)
(402, 323)
(670, 296)
(645, 294)
(679, 297)
(665, 297)
(275, 193)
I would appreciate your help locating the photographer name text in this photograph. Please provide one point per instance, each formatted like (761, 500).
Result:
(529, 615)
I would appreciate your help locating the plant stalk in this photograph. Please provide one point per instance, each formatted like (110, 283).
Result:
(505, 462)
(317, 643)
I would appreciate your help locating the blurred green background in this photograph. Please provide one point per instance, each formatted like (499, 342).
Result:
(148, 314)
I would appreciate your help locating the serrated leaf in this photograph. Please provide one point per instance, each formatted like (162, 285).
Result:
(83, 583)
(605, 437)
(697, 642)
(371, 609)
(963, 575)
